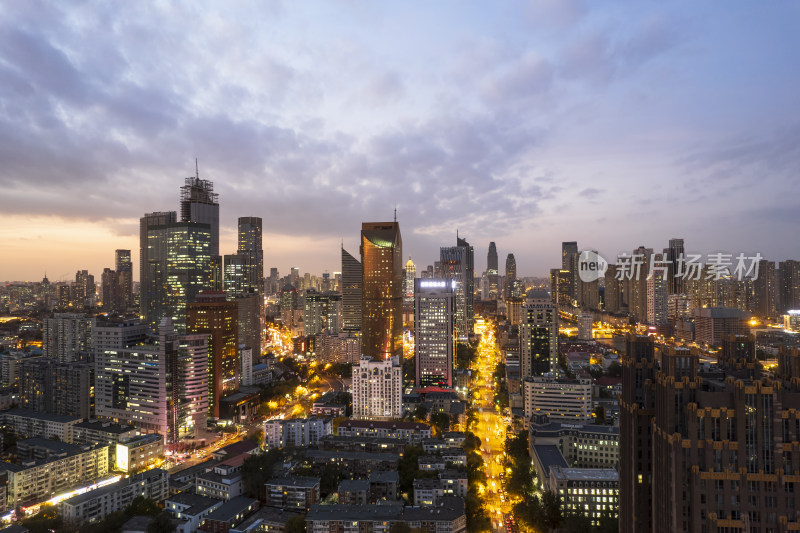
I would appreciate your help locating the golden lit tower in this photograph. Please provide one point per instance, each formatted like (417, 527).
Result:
(214, 315)
(381, 290)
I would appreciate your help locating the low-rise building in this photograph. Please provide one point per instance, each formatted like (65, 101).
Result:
(412, 432)
(454, 483)
(139, 453)
(229, 515)
(93, 506)
(383, 485)
(102, 432)
(223, 482)
(356, 464)
(564, 400)
(191, 509)
(296, 432)
(583, 446)
(40, 480)
(353, 492)
(297, 492)
(447, 517)
(265, 520)
(593, 492)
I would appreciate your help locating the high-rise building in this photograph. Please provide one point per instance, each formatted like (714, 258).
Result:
(178, 269)
(408, 281)
(150, 278)
(458, 264)
(561, 287)
(111, 292)
(510, 278)
(250, 248)
(569, 262)
(492, 272)
(637, 303)
(124, 267)
(351, 292)
(538, 335)
(788, 285)
(67, 337)
(48, 386)
(657, 295)
(234, 277)
(200, 204)
(213, 315)
(718, 449)
(764, 288)
(381, 290)
(249, 317)
(672, 254)
(612, 295)
(378, 389)
(160, 388)
(434, 329)
(636, 410)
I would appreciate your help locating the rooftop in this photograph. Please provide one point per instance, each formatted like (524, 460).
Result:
(584, 474)
(549, 455)
(92, 494)
(228, 510)
(107, 427)
(353, 485)
(305, 482)
(266, 515)
(380, 424)
(384, 476)
(27, 413)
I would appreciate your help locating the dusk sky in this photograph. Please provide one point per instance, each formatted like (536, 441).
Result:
(614, 123)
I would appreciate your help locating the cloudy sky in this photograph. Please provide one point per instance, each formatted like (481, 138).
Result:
(614, 123)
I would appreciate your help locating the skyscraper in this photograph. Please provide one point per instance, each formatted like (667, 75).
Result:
(351, 292)
(408, 281)
(199, 203)
(538, 335)
(636, 409)
(434, 328)
(675, 285)
(764, 289)
(178, 269)
(67, 337)
(458, 264)
(491, 270)
(218, 318)
(252, 252)
(511, 276)
(657, 295)
(788, 285)
(381, 290)
(124, 267)
(150, 277)
(569, 262)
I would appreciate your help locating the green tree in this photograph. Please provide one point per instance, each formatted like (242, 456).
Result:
(296, 524)
(471, 442)
(162, 523)
(600, 414)
(441, 421)
(575, 523)
(421, 412)
(257, 469)
(142, 506)
(408, 466)
(400, 527)
(614, 370)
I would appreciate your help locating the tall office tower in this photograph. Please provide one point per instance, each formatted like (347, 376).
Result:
(200, 204)
(178, 269)
(295, 277)
(84, 290)
(408, 281)
(351, 292)
(150, 279)
(110, 292)
(124, 267)
(235, 282)
(675, 285)
(636, 409)
(561, 287)
(326, 282)
(569, 261)
(273, 281)
(588, 293)
(160, 388)
(67, 336)
(764, 289)
(458, 264)
(434, 329)
(378, 389)
(612, 297)
(249, 317)
(314, 312)
(657, 296)
(217, 318)
(538, 336)
(511, 276)
(638, 298)
(492, 271)
(47, 386)
(251, 249)
(381, 290)
(788, 285)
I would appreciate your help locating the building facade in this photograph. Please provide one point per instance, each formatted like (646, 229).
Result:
(378, 389)
(434, 331)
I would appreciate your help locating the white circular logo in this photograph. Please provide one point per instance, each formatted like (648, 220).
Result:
(591, 266)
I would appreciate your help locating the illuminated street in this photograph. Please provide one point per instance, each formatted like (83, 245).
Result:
(490, 425)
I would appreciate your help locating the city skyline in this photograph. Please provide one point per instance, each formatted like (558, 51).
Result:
(528, 124)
